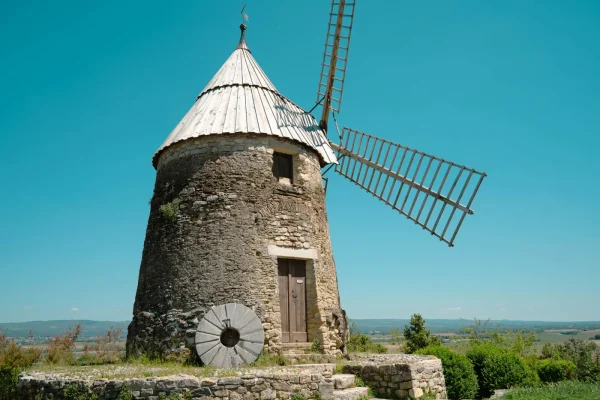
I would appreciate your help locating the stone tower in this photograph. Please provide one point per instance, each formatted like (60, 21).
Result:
(238, 215)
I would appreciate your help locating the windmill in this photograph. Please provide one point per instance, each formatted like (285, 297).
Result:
(426, 189)
(237, 253)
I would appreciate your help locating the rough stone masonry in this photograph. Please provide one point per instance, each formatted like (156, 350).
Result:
(234, 219)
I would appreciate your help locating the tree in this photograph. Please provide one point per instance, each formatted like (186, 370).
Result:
(581, 353)
(548, 351)
(417, 336)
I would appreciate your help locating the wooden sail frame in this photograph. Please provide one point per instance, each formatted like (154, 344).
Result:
(372, 163)
(335, 57)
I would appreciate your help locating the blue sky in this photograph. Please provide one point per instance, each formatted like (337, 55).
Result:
(91, 89)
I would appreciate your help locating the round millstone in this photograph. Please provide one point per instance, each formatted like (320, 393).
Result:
(229, 335)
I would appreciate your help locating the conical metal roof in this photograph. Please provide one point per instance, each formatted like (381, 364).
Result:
(240, 98)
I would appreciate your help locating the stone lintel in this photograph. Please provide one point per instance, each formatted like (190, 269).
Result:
(302, 254)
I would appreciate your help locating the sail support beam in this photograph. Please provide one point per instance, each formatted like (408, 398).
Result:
(400, 178)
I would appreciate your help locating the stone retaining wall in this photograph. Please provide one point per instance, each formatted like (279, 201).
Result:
(274, 383)
(400, 376)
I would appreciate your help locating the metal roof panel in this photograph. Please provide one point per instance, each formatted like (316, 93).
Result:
(240, 98)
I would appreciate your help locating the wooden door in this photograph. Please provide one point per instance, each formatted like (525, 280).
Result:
(292, 300)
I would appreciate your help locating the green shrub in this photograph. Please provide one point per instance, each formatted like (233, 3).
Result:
(170, 210)
(461, 381)
(125, 394)
(417, 336)
(361, 343)
(380, 349)
(74, 392)
(8, 383)
(13, 359)
(316, 347)
(556, 370)
(499, 368)
(581, 353)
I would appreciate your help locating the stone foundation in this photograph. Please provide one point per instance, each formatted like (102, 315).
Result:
(399, 376)
(280, 383)
(390, 376)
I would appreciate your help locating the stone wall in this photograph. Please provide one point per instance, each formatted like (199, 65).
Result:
(234, 217)
(281, 383)
(400, 376)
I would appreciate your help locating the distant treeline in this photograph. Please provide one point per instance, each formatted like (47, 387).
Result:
(455, 325)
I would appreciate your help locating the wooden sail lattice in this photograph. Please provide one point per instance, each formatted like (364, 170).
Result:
(335, 56)
(426, 189)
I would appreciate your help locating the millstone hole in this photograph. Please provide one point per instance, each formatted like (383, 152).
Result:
(230, 337)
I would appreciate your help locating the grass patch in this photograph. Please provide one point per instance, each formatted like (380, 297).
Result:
(557, 391)
(316, 347)
(129, 370)
(266, 359)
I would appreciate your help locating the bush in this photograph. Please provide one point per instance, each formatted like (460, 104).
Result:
(316, 347)
(380, 349)
(74, 392)
(107, 350)
(499, 368)
(581, 353)
(461, 381)
(361, 343)
(13, 359)
(555, 370)
(125, 394)
(170, 210)
(60, 349)
(417, 336)
(548, 351)
(8, 383)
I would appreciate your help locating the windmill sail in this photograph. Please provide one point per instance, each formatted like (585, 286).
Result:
(335, 57)
(426, 189)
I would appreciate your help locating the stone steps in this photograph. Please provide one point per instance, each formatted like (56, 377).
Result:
(344, 388)
(295, 348)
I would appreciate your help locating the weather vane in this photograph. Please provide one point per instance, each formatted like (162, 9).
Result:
(244, 15)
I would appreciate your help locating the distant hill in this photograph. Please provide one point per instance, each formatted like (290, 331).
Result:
(53, 328)
(94, 328)
(454, 325)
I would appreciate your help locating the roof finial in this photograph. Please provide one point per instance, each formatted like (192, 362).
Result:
(242, 44)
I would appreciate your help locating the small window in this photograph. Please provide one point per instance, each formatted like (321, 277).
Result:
(283, 167)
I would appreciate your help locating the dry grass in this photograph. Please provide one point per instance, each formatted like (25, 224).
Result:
(147, 368)
(128, 370)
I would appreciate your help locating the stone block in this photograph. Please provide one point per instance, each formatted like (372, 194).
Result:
(415, 393)
(326, 389)
(344, 381)
(268, 394)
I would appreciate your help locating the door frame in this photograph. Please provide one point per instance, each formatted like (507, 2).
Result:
(292, 285)
(310, 256)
